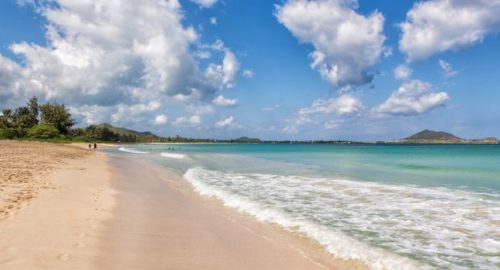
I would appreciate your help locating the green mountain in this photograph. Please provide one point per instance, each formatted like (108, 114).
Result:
(429, 136)
(126, 132)
(108, 132)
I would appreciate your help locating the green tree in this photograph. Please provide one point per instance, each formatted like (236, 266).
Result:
(34, 108)
(6, 119)
(58, 116)
(43, 131)
(23, 118)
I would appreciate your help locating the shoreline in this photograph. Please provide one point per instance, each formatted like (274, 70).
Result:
(91, 212)
(214, 236)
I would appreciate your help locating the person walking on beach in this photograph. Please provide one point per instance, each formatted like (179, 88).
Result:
(95, 146)
(90, 146)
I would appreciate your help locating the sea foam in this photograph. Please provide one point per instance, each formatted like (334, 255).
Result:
(379, 224)
(131, 150)
(173, 155)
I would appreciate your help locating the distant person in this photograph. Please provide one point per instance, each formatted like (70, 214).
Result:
(90, 146)
(95, 146)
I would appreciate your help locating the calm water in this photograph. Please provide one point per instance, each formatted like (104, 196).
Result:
(391, 206)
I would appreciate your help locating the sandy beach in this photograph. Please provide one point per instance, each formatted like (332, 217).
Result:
(66, 207)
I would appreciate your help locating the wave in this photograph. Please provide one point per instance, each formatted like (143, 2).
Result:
(379, 224)
(173, 155)
(131, 150)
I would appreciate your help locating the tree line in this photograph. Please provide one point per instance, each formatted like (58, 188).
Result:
(52, 121)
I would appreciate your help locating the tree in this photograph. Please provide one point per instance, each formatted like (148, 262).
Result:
(56, 115)
(23, 118)
(43, 132)
(34, 108)
(6, 119)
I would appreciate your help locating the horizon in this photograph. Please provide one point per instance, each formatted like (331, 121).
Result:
(273, 70)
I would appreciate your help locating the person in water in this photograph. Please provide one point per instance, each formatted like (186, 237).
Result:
(95, 146)
(90, 146)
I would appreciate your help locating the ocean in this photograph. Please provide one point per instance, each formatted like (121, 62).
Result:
(390, 206)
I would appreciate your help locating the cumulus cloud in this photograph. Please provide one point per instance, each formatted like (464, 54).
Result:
(205, 3)
(346, 43)
(223, 75)
(161, 119)
(227, 123)
(447, 69)
(402, 72)
(97, 59)
(221, 101)
(342, 106)
(412, 98)
(345, 104)
(192, 121)
(440, 25)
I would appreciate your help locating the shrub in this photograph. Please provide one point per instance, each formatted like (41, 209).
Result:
(7, 133)
(43, 132)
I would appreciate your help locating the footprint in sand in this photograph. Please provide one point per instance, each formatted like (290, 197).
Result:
(63, 257)
(80, 245)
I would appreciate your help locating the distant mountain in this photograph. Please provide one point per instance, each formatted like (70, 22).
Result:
(429, 136)
(148, 136)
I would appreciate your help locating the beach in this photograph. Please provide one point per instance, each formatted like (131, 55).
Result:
(80, 209)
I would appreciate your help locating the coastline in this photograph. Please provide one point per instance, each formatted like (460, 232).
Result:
(165, 224)
(90, 212)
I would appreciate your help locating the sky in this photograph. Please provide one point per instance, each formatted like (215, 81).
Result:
(285, 69)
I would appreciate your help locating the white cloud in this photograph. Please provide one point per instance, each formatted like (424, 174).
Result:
(192, 121)
(248, 73)
(402, 72)
(223, 75)
(345, 104)
(161, 119)
(342, 106)
(213, 20)
(272, 108)
(205, 3)
(412, 98)
(447, 69)
(346, 43)
(200, 109)
(440, 25)
(220, 100)
(98, 59)
(227, 123)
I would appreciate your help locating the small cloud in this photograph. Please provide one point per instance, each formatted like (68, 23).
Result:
(221, 101)
(227, 123)
(402, 72)
(205, 3)
(192, 121)
(412, 98)
(447, 69)
(161, 119)
(213, 20)
(200, 109)
(272, 108)
(248, 73)
(203, 54)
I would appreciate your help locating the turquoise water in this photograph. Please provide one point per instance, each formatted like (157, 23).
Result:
(391, 206)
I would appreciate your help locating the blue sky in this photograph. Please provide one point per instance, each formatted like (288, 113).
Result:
(298, 69)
